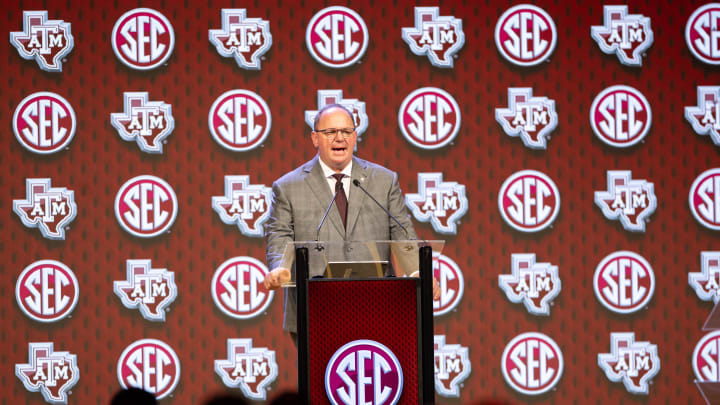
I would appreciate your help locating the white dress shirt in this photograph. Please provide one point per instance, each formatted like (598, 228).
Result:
(328, 172)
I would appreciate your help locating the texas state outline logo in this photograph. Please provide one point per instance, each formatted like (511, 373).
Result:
(452, 367)
(438, 37)
(626, 35)
(706, 283)
(442, 203)
(534, 284)
(705, 116)
(335, 96)
(147, 289)
(46, 41)
(630, 201)
(242, 38)
(245, 205)
(634, 363)
(50, 209)
(146, 122)
(251, 369)
(529, 117)
(52, 373)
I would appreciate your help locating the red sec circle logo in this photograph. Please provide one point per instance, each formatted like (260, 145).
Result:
(451, 282)
(47, 291)
(44, 122)
(146, 206)
(238, 290)
(705, 199)
(239, 120)
(702, 31)
(337, 37)
(705, 360)
(143, 39)
(532, 363)
(529, 201)
(151, 365)
(429, 118)
(525, 35)
(620, 116)
(624, 282)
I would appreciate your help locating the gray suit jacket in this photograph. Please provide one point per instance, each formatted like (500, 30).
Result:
(300, 199)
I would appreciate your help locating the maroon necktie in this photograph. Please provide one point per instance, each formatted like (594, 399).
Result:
(341, 199)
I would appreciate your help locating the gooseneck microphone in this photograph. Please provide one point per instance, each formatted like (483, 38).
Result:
(327, 211)
(356, 182)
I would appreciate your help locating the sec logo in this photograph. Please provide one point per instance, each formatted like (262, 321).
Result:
(532, 363)
(624, 282)
(150, 365)
(529, 201)
(451, 282)
(143, 39)
(705, 199)
(706, 358)
(620, 116)
(44, 122)
(429, 118)
(363, 372)
(47, 291)
(702, 31)
(337, 37)
(525, 35)
(146, 206)
(238, 290)
(239, 120)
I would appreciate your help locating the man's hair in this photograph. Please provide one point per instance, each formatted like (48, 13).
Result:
(328, 107)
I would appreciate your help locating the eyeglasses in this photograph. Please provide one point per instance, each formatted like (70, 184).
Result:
(331, 133)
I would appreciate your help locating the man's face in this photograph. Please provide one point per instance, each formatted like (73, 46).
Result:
(335, 151)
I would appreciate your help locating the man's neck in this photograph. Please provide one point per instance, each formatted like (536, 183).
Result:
(326, 167)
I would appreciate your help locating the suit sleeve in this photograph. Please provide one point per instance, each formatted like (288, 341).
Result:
(396, 206)
(279, 228)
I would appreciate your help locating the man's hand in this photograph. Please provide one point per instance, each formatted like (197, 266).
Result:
(436, 286)
(277, 278)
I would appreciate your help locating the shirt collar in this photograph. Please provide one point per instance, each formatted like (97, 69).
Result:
(328, 172)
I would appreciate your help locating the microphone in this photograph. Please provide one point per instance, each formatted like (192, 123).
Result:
(356, 182)
(327, 211)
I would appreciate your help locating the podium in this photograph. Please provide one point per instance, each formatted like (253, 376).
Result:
(364, 320)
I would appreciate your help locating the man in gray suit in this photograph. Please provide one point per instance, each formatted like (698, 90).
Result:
(301, 197)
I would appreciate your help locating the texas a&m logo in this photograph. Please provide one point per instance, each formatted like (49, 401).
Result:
(624, 282)
(355, 106)
(705, 117)
(705, 199)
(146, 122)
(363, 371)
(630, 201)
(146, 206)
(532, 363)
(533, 284)
(143, 39)
(50, 209)
(429, 118)
(529, 201)
(706, 283)
(50, 372)
(239, 120)
(337, 37)
(633, 363)
(245, 39)
(442, 203)
(245, 205)
(150, 290)
(150, 365)
(252, 369)
(620, 116)
(702, 31)
(452, 367)
(525, 35)
(46, 41)
(438, 37)
(626, 35)
(451, 282)
(44, 122)
(530, 118)
(238, 290)
(47, 291)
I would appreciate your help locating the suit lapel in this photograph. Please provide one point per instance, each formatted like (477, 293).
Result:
(319, 186)
(357, 196)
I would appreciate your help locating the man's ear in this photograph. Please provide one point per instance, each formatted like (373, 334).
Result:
(314, 137)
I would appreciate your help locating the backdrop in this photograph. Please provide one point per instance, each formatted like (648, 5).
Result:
(97, 162)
